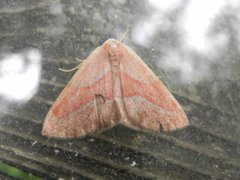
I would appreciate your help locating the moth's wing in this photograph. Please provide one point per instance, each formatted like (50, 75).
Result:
(85, 105)
(148, 102)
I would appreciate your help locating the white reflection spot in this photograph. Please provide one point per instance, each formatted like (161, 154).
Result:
(19, 75)
(164, 5)
(196, 25)
(144, 31)
(199, 16)
(133, 164)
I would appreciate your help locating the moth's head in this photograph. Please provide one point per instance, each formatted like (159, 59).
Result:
(112, 46)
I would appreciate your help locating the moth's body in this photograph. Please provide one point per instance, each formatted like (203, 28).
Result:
(114, 60)
(113, 86)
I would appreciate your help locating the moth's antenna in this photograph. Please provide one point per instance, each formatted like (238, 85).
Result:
(70, 70)
(125, 34)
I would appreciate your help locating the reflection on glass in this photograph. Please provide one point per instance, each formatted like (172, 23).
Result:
(191, 36)
(20, 75)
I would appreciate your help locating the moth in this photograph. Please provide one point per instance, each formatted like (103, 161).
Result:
(113, 86)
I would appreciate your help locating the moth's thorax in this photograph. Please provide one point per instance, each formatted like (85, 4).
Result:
(112, 48)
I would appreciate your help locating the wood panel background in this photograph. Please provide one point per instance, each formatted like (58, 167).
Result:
(63, 30)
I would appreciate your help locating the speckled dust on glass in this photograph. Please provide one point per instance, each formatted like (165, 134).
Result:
(113, 85)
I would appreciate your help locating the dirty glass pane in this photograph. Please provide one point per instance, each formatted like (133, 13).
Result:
(194, 48)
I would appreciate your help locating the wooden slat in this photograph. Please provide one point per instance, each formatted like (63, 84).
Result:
(152, 150)
(56, 155)
(180, 150)
(5, 176)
